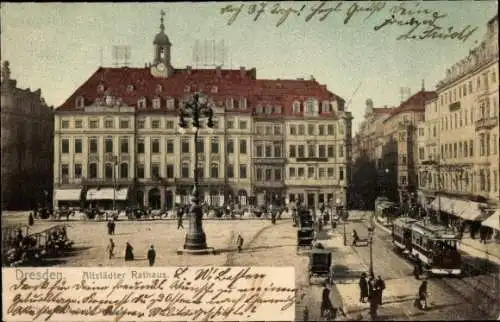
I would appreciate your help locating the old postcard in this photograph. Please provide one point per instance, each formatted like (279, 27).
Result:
(250, 161)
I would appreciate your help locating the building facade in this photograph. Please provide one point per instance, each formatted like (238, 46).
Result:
(117, 138)
(27, 134)
(463, 135)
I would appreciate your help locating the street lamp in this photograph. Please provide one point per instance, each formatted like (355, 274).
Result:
(197, 107)
(370, 234)
(115, 163)
(338, 210)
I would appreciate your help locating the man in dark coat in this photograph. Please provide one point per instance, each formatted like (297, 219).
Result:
(31, 220)
(111, 248)
(129, 252)
(363, 288)
(239, 242)
(422, 295)
(326, 303)
(113, 226)
(379, 288)
(151, 255)
(110, 227)
(180, 213)
(417, 270)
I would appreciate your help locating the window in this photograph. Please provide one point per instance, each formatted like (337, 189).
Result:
(325, 108)
(140, 171)
(230, 124)
(124, 124)
(421, 153)
(200, 169)
(93, 145)
(155, 170)
(78, 124)
(124, 170)
(170, 146)
(155, 124)
(124, 145)
(268, 152)
(269, 175)
(258, 174)
(78, 171)
(310, 172)
(301, 151)
(78, 146)
(185, 170)
(341, 129)
(214, 170)
(277, 150)
(310, 129)
(169, 124)
(296, 107)
(108, 171)
(293, 130)
(330, 129)
(243, 125)
(230, 171)
(170, 171)
(141, 124)
(321, 129)
(258, 109)
(156, 102)
(141, 103)
(292, 152)
(200, 145)
(108, 123)
(140, 146)
(243, 171)
(230, 146)
(155, 145)
(310, 106)
(269, 130)
(331, 172)
(331, 151)
(170, 103)
(403, 180)
(321, 151)
(108, 145)
(312, 150)
(322, 173)
(302, 129)
(269, 109)
(243, 146)
(341, 150)
(341, 173)
(494, 142)
(65, 146)
(277, 174)
(300, 172)
(65, 124)
(93, 124)
(215, 145)
(291, 172)
(93, 170)
(466, 149)
(259, 151)
(185, 145)
(277, 130)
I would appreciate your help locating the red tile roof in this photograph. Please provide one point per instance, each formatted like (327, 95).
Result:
(415, 103)
(382, 110)
(229, 83)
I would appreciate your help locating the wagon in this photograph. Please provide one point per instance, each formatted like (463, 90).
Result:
(320, 265)
(305, 238)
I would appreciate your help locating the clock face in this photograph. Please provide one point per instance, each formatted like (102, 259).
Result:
(161, 67)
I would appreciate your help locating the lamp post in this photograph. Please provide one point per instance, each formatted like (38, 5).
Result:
(370, 234)
(115, 163)
(196, 108)
(338, 210)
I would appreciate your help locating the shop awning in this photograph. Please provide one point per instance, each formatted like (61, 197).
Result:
(493, 221)
(441, 202)
(107, 194)
(472, 211)
(67, 194)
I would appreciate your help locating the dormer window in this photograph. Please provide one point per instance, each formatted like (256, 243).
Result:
(258, 109)
(277, 109)
(171, 103)
(215, 89)
(100, 88)
(229, 103)
(159, 88)
(141, 103)
(130, 88)
(296, 107)
(156, 103)
(325, 107)
(187, 89)
(243, 103)
(79, 102)
(309, 106)
(236, 104)
(269, 109)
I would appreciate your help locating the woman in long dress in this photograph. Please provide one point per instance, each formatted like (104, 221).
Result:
(129, 252)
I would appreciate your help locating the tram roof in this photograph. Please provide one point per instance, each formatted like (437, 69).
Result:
(404, 221)
(435, 231)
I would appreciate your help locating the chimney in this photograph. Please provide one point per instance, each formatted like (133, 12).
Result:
(217, 71)
(242, 71)
(188, 69)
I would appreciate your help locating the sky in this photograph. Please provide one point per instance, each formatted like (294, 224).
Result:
(56, 47)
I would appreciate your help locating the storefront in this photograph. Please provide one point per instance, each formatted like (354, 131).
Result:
(104, 197)
(67, 198)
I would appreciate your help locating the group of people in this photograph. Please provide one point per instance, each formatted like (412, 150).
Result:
(371, 289)
(129, 252)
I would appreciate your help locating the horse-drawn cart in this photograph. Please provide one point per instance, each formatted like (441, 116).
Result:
(320, 265)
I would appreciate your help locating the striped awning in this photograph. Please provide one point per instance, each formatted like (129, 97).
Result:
(67, 194)
(107, 194)
(467, 210)
(493, 221)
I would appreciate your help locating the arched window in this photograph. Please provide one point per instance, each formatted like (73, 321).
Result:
(79, 102)
(124, 170)
(141, 103)
(214, 170)
(296, 107)
(108, 171)
(93, 170)
(269, 109)
(170, 103)
(100, 88)
(130, 88)
(159, 88)
(156, 103)
(258, 109)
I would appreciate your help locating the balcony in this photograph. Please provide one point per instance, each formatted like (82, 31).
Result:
(270, 184)
(311, 159)
(486, 123)
(264, 160)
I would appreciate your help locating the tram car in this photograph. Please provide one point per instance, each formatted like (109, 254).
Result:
(436, 247)
(401, 234)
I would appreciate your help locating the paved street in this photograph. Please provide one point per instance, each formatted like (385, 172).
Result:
(275, 245)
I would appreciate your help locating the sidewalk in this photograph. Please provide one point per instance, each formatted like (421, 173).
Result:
(489, 251)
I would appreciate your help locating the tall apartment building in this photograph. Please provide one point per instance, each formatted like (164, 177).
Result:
(462, 135)
(26, 135)
(117, 137)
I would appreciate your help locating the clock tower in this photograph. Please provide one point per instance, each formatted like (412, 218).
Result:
(162, 66)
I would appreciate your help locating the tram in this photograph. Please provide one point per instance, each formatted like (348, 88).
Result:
(401, 234)
(437, 248)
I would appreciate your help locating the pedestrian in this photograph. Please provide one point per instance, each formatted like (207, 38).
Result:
(31, 220)
(110, 227)
(371, 287)
(326, 303)
(113, 226)
(180, 213)
(355, 237)
(417, 270)
(111, 248)
(239, 242)
(380, 287)
(151, 255)
(129, 252)
(363, 288)
(422, 295)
